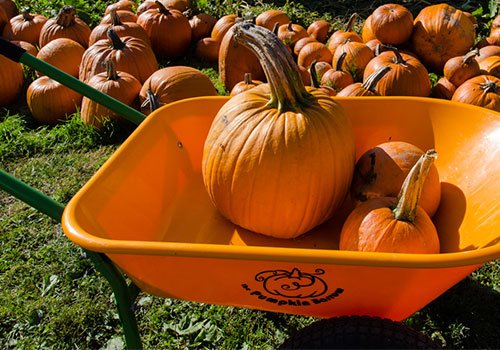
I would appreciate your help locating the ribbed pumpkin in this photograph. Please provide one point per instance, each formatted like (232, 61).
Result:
(27, 26)
(123, 16)
(120, 85)
(299, 45)
(341, 36)
(366, 88)
(440, 33)
(482, 91)
(121, 29)
(408, 76)
(175, 83)
(319, 30)
(392, 24)
(459, 69)
(63, 53)
(11, 80)
(168, 30)
(51, 102)
(269, 18)
(278, 159)
(381, 171)
(357, 56)
(394, 225)
(336, 78)
(290, 33)
(235, 60)
(315, 51)
(244, 85)
(129, 54)
(65, 25)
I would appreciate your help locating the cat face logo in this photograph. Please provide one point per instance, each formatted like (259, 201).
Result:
(293, 284)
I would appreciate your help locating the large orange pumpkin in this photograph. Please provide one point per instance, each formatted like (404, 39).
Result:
(461, 68)
(336, 78)
(27, 26)
(482, 91)
(392, 24)
(278, 158)
(381, 170)
(63, 53)
(394, 225)
(131, 55)
(440, 33)
(65, 25)
(168, 30)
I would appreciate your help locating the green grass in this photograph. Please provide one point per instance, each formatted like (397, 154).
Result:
(51, 296)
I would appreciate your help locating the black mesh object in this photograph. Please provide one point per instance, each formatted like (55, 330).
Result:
(358, 332)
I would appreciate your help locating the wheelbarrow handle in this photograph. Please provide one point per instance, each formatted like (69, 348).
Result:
(19, 55)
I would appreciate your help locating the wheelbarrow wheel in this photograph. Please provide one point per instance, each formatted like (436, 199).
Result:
(358, 332)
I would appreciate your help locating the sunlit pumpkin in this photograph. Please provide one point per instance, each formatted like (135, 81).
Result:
(65, 25)
(278, 158)
(319, 30)
(336, 78)
(269, 18)
(27, 26)
(63, 53)
(482, 91)
(290, 33)
(222, 26)
(357, 56)
(367, 87)
(201, 25)
(315, 83)
(392, 24)
(459, 69)
(490, 66)
(394, 225)
(314, 51)
(122, 15)
(244, 85)
(125, 5)
(341, 36)
(381, 170)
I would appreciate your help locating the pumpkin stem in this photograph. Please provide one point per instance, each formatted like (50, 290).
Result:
(26, 14)
(469, 56)
(66, 16)
(409, 195)
(350, 23)
(374, 78)
(116, 42)
(162, 9)
(111, 72)
(384, 47)
(287, 89)
(314, 74)
(276, 27)
(489, 86)
(340, 61)
(152, 101)
(289, 27)
(247, 78)
(115, 18)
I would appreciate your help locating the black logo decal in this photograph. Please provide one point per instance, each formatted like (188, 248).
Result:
(292, 288)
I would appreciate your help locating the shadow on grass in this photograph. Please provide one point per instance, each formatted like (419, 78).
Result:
(465, 317)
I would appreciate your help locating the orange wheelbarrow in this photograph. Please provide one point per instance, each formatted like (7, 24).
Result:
(146, 213)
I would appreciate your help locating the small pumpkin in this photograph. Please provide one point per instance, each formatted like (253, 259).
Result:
(121, 28)
(392, 24)
(366, 88)
(130, 55)
(459, 69)
(319, 30)
(482, 91)
(340, 37)
(321, 68)
(65, 25)
(120, 85)
(168, 30)
(27, 26)
(175, 83)
(51, 102)
(122, 15)
(440, 33)
(443, 89)
(381, 171)
(290, 33)
(269, 18)
(207, 49)
(316, 84)
(490, 66)
(357, 57)
(244, 85)
(299, 45)
(394, 225)
(201, 25)
(11, 80)
(278, 158)
(408, 76)
(314, 51)
(63, 53)
(337, 78)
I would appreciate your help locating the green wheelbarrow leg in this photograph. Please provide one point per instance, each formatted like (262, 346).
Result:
(125, 294)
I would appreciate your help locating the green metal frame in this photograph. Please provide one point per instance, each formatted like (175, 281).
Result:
(125, 293)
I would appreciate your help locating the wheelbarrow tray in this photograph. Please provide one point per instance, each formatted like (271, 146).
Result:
(147, 209)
